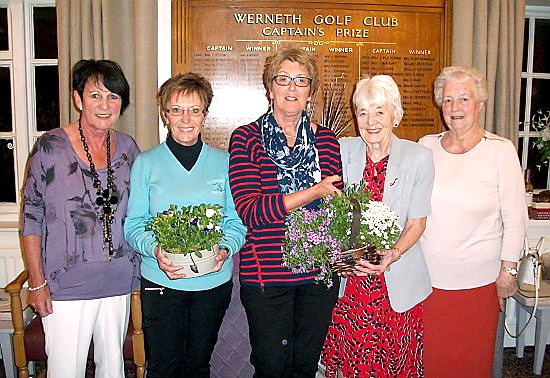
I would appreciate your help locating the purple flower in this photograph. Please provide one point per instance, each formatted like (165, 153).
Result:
(307, 240)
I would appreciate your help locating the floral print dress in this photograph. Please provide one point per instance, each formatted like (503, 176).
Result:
(366, 337)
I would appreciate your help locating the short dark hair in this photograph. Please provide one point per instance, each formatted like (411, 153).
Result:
(106, 71)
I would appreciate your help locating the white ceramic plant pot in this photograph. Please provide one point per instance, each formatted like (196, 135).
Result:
(194, 266)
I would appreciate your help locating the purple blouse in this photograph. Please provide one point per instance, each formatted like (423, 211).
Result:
(59, 205)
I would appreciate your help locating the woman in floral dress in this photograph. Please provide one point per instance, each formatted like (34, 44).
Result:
(376, 328)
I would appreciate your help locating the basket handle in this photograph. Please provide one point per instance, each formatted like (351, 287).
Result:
(355, 222)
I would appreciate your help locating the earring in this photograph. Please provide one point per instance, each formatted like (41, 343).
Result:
(80, 108)
(395, 125)
(270, 109)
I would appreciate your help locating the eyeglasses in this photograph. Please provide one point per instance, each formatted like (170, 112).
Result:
(285, 80)
(447, 101)
(194, 111)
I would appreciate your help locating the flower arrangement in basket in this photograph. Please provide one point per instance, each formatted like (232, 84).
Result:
(541, 122)
(187, 229)
(342, 230)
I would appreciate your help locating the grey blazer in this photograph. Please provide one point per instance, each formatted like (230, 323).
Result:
(408, 191)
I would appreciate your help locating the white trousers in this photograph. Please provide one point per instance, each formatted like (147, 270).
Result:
(70, 329)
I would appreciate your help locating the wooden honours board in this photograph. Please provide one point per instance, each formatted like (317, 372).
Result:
(228, 41)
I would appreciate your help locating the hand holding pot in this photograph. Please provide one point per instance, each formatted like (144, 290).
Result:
(165, 264)
(221, 258)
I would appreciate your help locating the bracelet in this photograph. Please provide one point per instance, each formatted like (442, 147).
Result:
(398, 250)
(39, 286)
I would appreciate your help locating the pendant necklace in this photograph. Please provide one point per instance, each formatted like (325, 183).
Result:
(107, 197)
(289, 135)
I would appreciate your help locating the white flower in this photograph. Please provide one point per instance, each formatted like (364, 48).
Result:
(540, 121)
(380, 220)
(210, 226)
(210, 213)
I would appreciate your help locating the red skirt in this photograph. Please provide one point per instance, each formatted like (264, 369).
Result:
(459, 332)
(366, 338)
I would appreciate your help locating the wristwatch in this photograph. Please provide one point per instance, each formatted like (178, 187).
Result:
(511, 271)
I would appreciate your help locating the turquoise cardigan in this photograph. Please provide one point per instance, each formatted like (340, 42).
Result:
(158, 180)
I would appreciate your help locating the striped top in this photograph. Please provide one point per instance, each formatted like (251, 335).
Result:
(259, 203)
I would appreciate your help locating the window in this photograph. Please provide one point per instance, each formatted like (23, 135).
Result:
(28, 88)
(535, 90)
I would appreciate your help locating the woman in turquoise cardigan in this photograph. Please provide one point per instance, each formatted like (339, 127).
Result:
(182, 316)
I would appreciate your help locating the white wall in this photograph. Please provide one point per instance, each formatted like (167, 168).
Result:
(164, 50)
(11, 262)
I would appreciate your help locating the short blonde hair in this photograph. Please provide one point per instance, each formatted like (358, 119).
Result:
(187, 83)
(379, 90)
(293, 54)
(461, 74)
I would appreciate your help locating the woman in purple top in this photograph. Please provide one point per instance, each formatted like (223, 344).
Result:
(81, 270)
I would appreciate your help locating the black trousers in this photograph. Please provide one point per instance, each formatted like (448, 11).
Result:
(287, 327)
(181, 328)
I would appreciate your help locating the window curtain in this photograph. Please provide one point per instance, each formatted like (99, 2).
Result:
(488, 34)
(121, 30)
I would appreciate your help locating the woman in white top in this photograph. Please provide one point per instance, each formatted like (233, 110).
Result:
(474, 234)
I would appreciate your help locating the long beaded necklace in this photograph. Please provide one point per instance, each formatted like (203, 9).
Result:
(107, 197)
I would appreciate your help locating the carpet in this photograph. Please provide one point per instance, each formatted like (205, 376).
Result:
(512, 366)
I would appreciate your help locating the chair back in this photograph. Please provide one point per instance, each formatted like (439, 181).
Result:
(29, 341)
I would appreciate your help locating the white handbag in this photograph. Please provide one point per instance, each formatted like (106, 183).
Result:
(530, 266)
(530, 276)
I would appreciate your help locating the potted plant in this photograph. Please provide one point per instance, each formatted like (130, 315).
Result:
(342, 230)
(541, 123)
(189, 236)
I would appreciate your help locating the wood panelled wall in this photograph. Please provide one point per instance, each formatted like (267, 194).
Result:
(228, 41)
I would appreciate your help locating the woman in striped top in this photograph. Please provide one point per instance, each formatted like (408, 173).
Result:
(278, 163)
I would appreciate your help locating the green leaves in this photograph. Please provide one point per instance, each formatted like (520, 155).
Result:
(541, 122)
(316, 238)
(378, 224)
(187, 229)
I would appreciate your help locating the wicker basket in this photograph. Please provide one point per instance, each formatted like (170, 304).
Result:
(351, 257)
